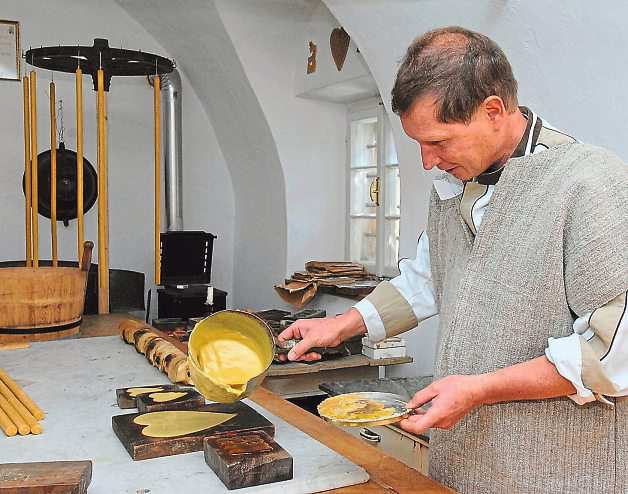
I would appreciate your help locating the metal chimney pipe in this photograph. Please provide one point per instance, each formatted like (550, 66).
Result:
(172, 149)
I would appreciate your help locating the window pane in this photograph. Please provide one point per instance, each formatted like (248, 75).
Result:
(391, 243)
(390, 153)
(393, 191)
(363, 240)
(364, 142)
(360, 186)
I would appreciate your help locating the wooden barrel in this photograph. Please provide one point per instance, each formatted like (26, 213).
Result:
(46, 303)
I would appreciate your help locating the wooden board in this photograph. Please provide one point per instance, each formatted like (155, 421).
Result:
(190, 401)
(54, 477)
(126, 401)
(141, 447)
(246, 460)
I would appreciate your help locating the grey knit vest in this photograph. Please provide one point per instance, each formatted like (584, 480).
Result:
(553, 244)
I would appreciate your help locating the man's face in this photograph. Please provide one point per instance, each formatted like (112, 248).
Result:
(463, 150)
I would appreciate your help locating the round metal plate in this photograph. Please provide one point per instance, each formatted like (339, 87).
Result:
(394, 405)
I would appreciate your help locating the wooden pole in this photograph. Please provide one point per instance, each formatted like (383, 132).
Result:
(103, 229)
(34, 183)
(27, 171)
(157, 112)
(53, 174)
(79, 162)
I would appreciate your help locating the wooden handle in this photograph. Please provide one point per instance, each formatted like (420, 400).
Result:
(21, 395)
(7, 425)
(86, 258)
(22, 426)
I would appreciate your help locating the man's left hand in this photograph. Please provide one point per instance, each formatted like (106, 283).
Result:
(452, 398)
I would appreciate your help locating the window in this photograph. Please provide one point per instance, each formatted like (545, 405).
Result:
(373, 189)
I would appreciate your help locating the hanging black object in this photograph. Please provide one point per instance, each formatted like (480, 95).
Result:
(114, 61)
(66, 184)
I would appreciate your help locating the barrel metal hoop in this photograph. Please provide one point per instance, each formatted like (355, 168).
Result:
(43, 329)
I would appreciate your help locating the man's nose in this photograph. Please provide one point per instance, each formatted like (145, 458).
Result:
(429, 158)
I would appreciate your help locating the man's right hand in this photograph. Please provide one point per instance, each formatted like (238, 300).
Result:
(322, 332)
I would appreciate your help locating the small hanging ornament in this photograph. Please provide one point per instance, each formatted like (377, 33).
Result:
(311, 60)
(339, 43)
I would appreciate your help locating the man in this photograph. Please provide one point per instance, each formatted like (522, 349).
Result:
(525, 259)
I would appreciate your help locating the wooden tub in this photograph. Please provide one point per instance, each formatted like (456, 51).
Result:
(45, 303)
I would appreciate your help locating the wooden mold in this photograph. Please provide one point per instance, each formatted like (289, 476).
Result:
(247, 460)
(54, 477)
(141, 447)
(125, 400)
(151, 402)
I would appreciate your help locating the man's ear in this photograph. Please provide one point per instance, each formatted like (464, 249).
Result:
(494, 108)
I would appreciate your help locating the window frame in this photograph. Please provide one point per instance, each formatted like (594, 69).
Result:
(371, 108)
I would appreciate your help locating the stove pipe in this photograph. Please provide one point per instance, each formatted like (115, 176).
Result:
(172, 149)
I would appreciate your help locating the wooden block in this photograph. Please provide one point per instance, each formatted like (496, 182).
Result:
(142, 447)
(248, 459)
(54, 477)
(125, 400)
(191, 400)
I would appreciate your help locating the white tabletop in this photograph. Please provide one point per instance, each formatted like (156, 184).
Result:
(75, 380)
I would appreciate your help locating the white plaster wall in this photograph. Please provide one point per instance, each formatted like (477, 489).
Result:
(269, 37)
(193, 32)
(208, 203)
(568, 56)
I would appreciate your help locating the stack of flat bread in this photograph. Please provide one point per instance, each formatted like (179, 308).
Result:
(158, 351)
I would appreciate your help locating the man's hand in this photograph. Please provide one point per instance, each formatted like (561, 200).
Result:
(452, 398)
(322, 332)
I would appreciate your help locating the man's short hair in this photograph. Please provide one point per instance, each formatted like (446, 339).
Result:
(461, 68)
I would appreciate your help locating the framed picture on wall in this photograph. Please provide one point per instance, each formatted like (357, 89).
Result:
(10, 54)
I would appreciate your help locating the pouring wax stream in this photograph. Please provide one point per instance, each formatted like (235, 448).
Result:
(229, 360)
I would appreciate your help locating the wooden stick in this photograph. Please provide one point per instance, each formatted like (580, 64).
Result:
(103, 228)
(53, 174)
(34, 183)
(22, 426)
(19, 407)
(21, 395)
(79, 162)
(27, 171)
(157, 112)
(7, 425)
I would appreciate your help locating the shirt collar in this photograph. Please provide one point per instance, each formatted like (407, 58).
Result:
(526, 146)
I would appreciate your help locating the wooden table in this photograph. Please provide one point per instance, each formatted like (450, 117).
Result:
(388, 475)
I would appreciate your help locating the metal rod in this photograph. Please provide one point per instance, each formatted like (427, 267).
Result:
(103, 228)
(27, 171)
(53, 175)
(34, 183)
(79, 163)
(157, 115)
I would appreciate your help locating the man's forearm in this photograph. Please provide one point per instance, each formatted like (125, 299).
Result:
(535, 379)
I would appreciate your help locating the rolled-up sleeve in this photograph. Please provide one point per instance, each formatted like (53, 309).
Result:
(400, 304)
(593, 358)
